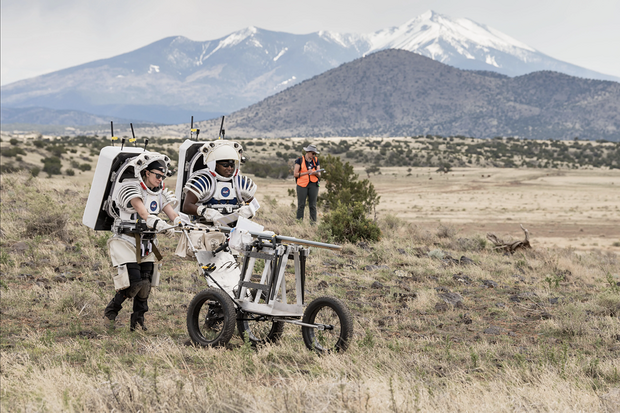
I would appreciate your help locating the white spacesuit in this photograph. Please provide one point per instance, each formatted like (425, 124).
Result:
(136, 196)
(125, 215)
(218, 189)
(213, 192)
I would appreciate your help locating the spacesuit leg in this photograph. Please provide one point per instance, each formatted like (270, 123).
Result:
(140, 301)
(114, 306)
(126, 271)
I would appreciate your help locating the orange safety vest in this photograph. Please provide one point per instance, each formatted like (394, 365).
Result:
(304, 180)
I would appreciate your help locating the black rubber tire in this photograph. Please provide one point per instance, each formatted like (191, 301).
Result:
(211, 318)
(259, 330)
(328, 311)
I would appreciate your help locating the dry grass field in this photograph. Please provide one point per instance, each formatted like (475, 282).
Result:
(535, 331)
(577, 209)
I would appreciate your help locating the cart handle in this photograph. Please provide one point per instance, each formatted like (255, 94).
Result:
(276, 239)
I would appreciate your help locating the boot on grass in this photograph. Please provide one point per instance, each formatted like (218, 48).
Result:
(136, 321)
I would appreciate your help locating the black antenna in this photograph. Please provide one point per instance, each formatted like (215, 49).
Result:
(122, 143)
(222, 131)
(192, 130)
(114, 138)
(146, 142)
(133, 135)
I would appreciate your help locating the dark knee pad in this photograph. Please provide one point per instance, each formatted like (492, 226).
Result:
(146, 270)
(133, 268)
(144, 291)
(136, 281)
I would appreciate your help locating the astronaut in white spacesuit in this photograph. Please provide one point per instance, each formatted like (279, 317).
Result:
(216, 194)
(219, 190)
(138, 196)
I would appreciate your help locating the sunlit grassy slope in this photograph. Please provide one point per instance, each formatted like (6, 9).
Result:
(534, 331)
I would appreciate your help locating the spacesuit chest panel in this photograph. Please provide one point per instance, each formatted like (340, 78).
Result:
(224, 198)
(152, 202)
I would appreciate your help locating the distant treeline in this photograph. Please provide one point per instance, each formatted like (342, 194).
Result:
(273, 157)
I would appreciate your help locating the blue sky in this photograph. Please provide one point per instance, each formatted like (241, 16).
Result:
(42, 36)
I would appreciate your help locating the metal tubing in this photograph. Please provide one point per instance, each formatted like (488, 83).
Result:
(292, 240)
(302, 324)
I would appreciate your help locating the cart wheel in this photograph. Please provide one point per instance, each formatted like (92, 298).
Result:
(210, 318)
(259, 329)
(331, 313)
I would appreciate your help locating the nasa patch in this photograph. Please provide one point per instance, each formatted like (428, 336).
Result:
(225, 192)
(153, 205)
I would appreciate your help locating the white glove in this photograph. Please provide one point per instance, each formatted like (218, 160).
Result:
(171, 232)
(245, 212)
(211, 215)
(239, 239)
(157, 224)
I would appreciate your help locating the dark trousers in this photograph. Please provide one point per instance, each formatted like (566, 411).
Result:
(311, 192)
(139, 289)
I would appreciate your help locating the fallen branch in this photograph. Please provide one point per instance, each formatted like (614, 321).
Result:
(510, 246)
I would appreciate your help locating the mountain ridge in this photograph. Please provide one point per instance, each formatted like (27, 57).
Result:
(224, 75)
(59, 117)
(400, 93)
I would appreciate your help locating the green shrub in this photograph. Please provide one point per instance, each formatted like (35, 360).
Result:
(39, 144)
(35, 171)
(374, 169)
(13, 151)
(348, 222)
(13, 141)
(70, 172)
(342, 186)
(51, 165)
(85, 167)
(8, 167)
(57, 150)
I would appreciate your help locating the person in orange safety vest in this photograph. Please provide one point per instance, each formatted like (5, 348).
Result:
(307, 174)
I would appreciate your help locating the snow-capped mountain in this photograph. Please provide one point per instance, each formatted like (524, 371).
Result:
(174, 78)
(465, 44)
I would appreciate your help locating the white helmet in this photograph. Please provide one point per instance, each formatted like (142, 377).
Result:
(146, 159)
(221, 150)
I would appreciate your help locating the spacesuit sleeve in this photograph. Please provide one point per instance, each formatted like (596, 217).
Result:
(128, 192)
(247, 188)
(201, 185)
(169, 198)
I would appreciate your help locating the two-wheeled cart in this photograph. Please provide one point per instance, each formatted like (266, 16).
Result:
(261, 304)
